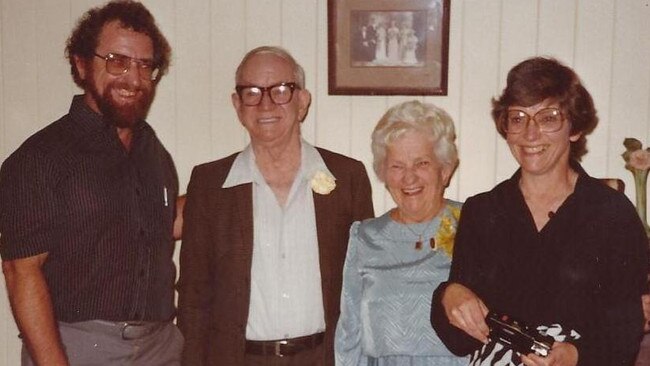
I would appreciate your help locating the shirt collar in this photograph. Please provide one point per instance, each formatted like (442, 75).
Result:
(575, 165)
(87, 120)
(514, 197)
(245, 171)
(242, 169)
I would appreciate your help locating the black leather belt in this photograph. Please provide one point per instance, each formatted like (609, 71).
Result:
(284, 347)
(129, 330)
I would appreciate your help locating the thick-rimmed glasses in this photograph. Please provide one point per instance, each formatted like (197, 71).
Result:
(117, 64)
(547, 119)
(252, 95)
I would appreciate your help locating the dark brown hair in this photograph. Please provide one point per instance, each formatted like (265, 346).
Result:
(131, 15)
(537, 79)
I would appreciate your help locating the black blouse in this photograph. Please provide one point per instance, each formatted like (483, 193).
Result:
(585, 270)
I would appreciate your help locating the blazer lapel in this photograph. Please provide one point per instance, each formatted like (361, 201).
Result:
(325, 207)
(244, 197)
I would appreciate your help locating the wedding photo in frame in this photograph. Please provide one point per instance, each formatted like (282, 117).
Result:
(388, 47)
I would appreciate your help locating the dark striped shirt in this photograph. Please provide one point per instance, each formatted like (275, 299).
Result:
(103, 214)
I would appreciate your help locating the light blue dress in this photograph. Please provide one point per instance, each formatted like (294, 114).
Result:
(387, 288)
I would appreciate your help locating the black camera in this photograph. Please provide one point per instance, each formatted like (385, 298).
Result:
(517, 335)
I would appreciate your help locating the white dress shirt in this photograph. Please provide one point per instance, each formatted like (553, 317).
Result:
(286, 299)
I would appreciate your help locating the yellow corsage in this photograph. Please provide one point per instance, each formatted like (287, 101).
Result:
(447, 231)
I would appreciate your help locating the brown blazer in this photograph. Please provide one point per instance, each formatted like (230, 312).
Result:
(217, 248)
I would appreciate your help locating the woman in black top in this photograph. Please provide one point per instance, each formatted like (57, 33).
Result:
(551, 246)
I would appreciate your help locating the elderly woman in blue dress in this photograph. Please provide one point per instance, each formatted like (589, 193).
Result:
(395, 261)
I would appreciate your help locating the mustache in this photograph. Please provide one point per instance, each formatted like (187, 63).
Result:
(128, 86)
(126, 115)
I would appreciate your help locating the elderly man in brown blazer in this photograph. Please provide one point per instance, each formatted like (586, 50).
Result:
(266, 231)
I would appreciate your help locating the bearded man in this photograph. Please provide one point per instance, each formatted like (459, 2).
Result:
(87, 207)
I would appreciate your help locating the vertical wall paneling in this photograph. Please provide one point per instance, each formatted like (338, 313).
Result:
(604, 40)
(556, 29)
(365, 113)
(20, 85)
(333, 115)
(594, 53)
(300, 18)
(53, 70)
(480, 62)
(228, 47)
(331, 112)
(192, 84)
(317, 75)
(630, 84)
(264, 23)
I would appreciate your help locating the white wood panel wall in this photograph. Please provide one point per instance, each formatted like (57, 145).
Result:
(606, 41)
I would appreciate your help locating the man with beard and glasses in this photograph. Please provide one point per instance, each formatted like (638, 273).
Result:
(87, 207)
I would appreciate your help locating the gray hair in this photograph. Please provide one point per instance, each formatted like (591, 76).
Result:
(298, 71)
(424, 118)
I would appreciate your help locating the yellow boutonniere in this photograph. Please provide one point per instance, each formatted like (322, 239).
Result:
(447, 231)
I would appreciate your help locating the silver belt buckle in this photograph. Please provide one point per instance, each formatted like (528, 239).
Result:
(128, 325)
(278, 349)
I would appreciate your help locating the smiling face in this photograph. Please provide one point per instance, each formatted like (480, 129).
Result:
(414, 177)
(123, 99)
(540, 153)
(267, 123)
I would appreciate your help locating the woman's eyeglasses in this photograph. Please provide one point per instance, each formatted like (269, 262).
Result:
(547, 119)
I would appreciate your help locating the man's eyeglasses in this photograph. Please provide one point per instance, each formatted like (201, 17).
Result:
(117, 64)
(547, 119)
(252, 95)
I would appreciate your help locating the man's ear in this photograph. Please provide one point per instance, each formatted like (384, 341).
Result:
(304, 100)
(80, 64)
(236, 102)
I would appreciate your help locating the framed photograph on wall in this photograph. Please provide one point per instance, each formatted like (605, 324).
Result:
(388, 47)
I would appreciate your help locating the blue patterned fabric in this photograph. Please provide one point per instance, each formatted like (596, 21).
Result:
(386, 297)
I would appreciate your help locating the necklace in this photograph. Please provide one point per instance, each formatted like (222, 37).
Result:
(419, 242)
(397, 216)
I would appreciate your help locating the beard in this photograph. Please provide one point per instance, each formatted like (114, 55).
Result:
(122, 115)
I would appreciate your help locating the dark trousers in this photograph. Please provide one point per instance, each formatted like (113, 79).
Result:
(312, 357)
(92, 343)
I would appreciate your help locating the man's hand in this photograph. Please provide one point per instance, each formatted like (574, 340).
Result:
(466, 311)
(562, 354)
(178, 220)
